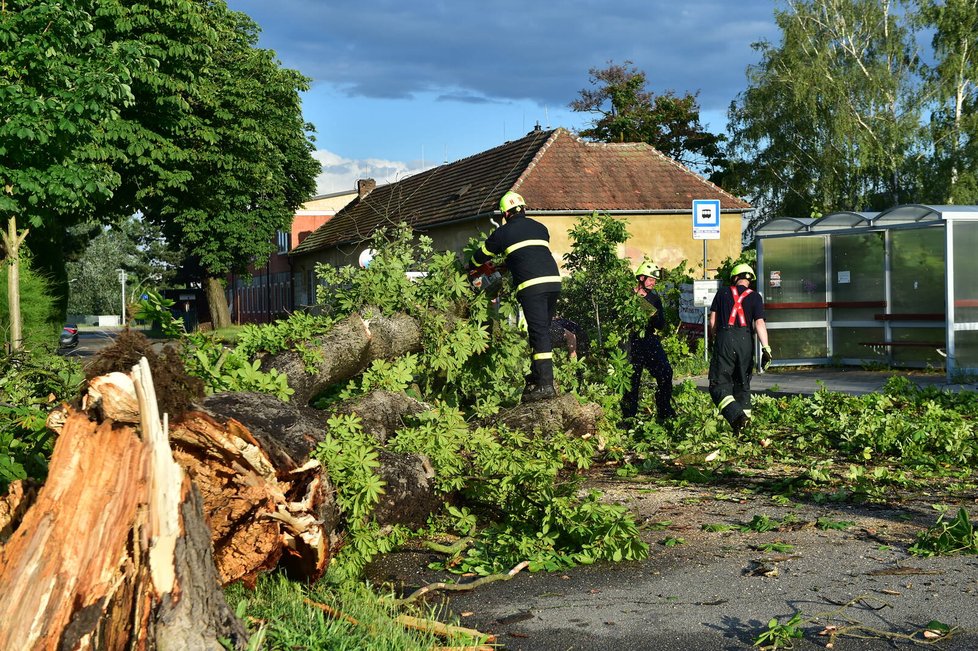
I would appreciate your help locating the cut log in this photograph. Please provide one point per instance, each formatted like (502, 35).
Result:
(346, 351)
(114, 553)
(547, 417)
(409, 490)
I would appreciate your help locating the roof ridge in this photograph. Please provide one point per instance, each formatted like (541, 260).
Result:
(536, 157)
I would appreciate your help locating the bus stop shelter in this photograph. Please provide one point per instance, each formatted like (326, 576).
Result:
(898, 287)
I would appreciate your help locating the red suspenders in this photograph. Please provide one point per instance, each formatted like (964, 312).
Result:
(738, 308)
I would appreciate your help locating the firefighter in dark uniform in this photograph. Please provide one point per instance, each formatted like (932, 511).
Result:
(525, 243)
(646, 351)
(736, 315)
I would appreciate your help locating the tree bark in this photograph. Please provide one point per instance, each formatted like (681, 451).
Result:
(346, 351)
(561, 414)
(114, 553)
(217, 303)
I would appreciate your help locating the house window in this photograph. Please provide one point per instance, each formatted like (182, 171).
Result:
(282, 239)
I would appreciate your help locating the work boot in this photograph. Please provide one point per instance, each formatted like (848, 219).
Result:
(541, 392)
(527, 390)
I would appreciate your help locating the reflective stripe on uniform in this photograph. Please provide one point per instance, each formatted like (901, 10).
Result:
(487, 251)
(538, 281)
(724, 402)
(543, 356)
(520, 245)
(747, 412)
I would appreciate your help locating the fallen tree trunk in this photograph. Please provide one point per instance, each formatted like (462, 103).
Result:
(561, 414)
(345, 351)
(114, 553)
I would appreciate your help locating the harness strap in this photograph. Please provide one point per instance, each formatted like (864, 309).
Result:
(738, 308)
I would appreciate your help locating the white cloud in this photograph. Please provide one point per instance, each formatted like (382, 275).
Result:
(340, 174)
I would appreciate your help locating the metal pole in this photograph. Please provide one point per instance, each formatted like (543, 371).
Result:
(122, 279)
(706, 323)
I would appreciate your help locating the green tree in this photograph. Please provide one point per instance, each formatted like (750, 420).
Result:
(831, 117)
(132, 244)
(40, 317)
(953, 85)
(110, 108)
(598, 293)
(250, 153)
(626, 111)
(60, 85)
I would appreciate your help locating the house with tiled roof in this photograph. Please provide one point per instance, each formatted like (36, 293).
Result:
(561, 177)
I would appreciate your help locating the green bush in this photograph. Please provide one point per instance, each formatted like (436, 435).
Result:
(32, 382)
(41, 319)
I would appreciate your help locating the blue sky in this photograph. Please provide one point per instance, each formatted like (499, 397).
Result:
(401, 86)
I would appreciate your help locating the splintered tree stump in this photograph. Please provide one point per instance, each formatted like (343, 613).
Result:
(345, 351)
(114, 553)
(288, 434)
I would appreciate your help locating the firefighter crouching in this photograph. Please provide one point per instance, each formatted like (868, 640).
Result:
(525, 243)
(736, 315)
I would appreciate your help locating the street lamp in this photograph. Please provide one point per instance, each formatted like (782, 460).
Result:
(122, 279)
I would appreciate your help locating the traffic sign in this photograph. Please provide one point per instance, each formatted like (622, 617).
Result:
(706, 219)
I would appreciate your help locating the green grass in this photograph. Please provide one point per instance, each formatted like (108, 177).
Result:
(278, 608)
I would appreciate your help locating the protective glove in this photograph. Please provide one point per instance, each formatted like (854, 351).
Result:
(766, 357)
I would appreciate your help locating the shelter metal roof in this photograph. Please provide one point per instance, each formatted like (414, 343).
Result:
(919, 213)
(842, 219)
(904, 215)
(782, 225)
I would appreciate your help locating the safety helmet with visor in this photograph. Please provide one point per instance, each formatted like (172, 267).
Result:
(650, 269)
(511, 201)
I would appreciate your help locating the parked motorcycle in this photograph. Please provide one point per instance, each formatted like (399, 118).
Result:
(69, 336)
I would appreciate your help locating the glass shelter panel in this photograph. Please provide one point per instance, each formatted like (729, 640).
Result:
(798, 343)
(794, 293)
(858, 285)
(920, 346)
(857, 343)
(795, 272)
(917, 271)
(965, 273)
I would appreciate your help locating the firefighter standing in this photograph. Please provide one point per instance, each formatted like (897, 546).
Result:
(525, 243)
(737, 313)
(645, 349)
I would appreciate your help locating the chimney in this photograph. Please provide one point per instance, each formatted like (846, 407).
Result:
(365, 187)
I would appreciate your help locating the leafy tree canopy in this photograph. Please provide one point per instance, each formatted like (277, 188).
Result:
(844, 113)
(626, 111)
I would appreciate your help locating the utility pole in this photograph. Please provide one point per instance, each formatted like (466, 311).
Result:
(122, 279)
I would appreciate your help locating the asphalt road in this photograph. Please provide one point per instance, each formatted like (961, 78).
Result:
(718, 591)
(90, 342)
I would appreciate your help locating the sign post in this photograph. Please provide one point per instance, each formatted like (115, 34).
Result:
(706, 226)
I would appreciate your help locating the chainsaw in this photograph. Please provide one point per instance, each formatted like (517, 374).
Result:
(486, 279)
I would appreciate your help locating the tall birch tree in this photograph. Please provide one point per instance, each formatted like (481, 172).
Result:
(952, 82)
(831, 118)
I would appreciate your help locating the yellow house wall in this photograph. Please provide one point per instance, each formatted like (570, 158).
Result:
(332, 202)
(667, 239)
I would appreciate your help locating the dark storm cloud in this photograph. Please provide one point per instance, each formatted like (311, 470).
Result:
(503, 50)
